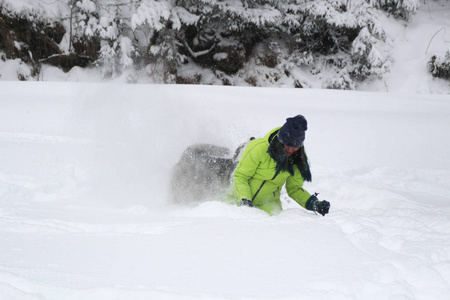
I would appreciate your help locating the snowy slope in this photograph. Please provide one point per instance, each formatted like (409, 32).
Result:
(83, 173)
(413, 43)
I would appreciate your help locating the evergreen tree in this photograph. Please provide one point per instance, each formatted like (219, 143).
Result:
(253, 40)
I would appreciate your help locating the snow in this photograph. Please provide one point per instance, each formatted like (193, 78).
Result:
(83, 213)
(153, 13)
(402, 61)
(414, 45)
(32, 8)
(13, 68)
(84, 169)
(181, 15)
(86, 5)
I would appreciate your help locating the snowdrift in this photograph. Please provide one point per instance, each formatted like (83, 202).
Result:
(84, 171)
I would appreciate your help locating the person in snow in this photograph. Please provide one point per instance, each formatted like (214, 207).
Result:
(270, 162)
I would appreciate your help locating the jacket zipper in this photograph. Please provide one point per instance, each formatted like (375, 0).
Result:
(262, 184)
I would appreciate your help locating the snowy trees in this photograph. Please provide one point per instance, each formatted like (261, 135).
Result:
(439, 66)
(368, 58)
(83, 27)
(399, 8)
(257, 42)
(101, 32)
(28, 33)
(163, 24)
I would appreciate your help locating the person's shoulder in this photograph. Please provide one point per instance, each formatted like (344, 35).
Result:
(266, 137)
(256, 144)
(261, 143)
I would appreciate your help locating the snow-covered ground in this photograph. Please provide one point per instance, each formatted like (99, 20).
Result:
(83, 213)
(413, 44)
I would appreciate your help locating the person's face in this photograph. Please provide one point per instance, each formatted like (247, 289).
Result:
(290, 150)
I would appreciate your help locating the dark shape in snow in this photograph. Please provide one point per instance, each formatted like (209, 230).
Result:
(203, 172)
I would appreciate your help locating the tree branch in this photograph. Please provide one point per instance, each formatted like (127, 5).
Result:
(199, 53)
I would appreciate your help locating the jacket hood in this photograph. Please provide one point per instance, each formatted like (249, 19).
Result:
(267, 136)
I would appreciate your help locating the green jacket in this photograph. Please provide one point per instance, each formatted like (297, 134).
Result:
(256, 171)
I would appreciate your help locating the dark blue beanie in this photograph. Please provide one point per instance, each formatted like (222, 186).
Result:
(292, 134)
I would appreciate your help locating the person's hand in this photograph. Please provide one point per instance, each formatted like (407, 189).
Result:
(313, 203)
(246, 202)
(323, 207)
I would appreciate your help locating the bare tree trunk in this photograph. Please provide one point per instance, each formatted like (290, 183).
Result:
(71, 25)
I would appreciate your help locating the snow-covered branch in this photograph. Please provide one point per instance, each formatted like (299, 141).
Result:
(198, 53)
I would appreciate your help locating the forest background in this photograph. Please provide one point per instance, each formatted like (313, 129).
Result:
(335, 44)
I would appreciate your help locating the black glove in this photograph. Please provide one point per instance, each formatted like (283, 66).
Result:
(322, 207)
(246, 202)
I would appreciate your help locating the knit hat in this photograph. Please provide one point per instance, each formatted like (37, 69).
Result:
(292, 134)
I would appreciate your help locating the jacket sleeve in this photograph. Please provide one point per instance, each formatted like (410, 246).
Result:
(295, 190)
(245, 170)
